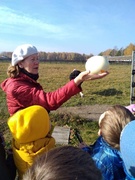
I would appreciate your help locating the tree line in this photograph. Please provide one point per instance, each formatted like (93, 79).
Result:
(119, 52)
(67, 56)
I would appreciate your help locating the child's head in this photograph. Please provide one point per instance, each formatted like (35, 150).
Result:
(127, 148)
(30, 124)
(111, 123)
(65, 163)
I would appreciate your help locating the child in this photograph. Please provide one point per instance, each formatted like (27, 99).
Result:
(6, 171)
(30, 129)
(63, 163)
(127, 148)
(105, 151)
(131, 108)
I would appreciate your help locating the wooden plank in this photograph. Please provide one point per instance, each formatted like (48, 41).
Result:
(61, 135)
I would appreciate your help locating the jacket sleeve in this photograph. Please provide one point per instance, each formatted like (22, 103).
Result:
(21, 95)
(53, 100)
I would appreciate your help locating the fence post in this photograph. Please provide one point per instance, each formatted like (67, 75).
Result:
(132, 86)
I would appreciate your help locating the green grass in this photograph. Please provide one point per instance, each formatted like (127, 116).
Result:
(88, 129)
(113, 89)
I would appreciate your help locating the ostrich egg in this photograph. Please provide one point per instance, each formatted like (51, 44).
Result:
(97, 64)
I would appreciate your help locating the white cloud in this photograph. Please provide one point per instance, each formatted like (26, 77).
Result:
(13, 22)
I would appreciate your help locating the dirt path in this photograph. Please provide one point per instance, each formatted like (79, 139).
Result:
(91, 112)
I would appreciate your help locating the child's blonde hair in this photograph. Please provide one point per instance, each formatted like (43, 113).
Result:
(112, 123)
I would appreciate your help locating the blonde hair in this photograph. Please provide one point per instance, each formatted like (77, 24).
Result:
(13, 71)
(112, 123)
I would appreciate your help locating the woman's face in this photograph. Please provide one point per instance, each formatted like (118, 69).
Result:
(30, 64)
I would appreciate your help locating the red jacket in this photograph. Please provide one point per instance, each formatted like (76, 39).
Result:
(23, 91)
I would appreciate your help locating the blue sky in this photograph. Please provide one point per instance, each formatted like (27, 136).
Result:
(81, 26)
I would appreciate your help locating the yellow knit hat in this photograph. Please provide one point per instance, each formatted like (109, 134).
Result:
(29, 124)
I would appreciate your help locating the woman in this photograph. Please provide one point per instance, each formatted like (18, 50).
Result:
(23, 90)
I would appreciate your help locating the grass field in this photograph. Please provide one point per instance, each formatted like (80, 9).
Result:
(113, 89)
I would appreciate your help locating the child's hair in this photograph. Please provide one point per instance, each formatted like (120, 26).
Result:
(112, 123)
(13, 71)
(63, 163)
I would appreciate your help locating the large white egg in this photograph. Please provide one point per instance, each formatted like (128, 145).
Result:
(97, 64)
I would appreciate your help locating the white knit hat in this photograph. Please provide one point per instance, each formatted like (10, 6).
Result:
(21, 52)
